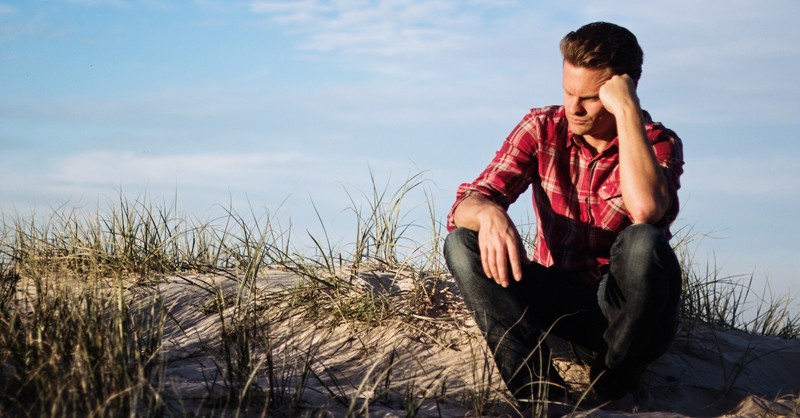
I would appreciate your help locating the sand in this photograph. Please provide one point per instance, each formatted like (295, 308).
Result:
(435, 363)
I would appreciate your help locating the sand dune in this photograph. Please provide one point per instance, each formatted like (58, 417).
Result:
(436, 363)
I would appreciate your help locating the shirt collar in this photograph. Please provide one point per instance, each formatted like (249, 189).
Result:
(577, 141)
(582, 148)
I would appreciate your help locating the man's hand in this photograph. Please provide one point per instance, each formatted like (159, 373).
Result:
(618, 95)
(498, 239)
(501, 247)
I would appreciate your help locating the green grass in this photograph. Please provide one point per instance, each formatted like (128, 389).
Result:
(731, 302)
(85, 320)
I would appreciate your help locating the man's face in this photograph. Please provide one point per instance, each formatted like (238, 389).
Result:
(585, 112)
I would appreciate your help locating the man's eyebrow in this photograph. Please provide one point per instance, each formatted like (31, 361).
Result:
(594, 96)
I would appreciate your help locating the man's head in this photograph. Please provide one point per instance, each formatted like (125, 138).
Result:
(603, 45)
(592, 55)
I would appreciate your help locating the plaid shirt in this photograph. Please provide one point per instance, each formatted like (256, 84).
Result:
(576, 195)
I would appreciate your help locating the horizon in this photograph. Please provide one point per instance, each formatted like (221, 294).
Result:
(270, 104)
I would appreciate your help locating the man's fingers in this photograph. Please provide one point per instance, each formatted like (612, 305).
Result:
(489, 260)
(501, 260)
(515, 261)
(485, 261)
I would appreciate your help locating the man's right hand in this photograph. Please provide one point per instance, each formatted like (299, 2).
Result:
(500, 244)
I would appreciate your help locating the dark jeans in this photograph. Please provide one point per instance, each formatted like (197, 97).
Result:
(629, 318)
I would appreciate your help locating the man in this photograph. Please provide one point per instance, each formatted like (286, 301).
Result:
(603, 276)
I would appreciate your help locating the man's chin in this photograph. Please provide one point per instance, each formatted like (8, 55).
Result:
(578, 129)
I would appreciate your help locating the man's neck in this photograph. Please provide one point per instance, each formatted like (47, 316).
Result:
(597, 145)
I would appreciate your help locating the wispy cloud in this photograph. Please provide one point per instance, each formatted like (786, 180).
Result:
(207, 177)
(388, 28)
(379, 29)
(740, 56)
(7, 9)
(102, 3)
(14, 24)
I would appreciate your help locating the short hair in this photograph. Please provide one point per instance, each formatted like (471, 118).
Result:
(604, 45)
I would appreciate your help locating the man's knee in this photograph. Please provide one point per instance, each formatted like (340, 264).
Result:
(460, 246)
(640, 241)
(642, 254)
(463, 258)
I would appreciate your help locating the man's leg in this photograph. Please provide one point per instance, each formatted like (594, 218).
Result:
(513, 318)
(639, 297)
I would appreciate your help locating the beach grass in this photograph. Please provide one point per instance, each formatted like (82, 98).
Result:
(98, 307)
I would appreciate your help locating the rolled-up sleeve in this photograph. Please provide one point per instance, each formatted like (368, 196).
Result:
(669, 153)
(508, 175)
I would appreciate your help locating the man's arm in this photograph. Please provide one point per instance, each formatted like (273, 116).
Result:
(481, 205)
(644, 188)
(499, 241)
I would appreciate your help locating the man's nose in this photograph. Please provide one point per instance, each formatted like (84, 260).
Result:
(574, 107)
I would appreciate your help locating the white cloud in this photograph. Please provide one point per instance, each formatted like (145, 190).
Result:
(382, 28)
(284, 184)
(269, 176)
(212, 171)
(705, 62)
(12, 27)
(102, 3)
(287, 7)
(6, 10)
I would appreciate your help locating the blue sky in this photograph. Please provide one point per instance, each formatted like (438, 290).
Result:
(276, 103)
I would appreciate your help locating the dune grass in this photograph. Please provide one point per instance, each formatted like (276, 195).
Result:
(731, 302)
(84, 313)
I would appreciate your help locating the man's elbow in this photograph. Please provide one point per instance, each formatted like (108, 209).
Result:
(648, 212)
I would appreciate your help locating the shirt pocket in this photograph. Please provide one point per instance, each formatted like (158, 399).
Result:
(610, 190)
(612, 213)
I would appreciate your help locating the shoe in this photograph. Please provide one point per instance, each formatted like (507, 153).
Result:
(546, 409)
(613, 384)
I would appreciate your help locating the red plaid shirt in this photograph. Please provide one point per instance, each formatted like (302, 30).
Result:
(576, 195)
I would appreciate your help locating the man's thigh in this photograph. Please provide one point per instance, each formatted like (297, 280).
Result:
(553, 301)
(562, 303)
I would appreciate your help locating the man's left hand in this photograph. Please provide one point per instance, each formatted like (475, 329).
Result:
(619, 94)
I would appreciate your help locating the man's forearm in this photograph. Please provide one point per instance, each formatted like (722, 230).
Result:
(468, 213)
(498, 239)
(644, 189)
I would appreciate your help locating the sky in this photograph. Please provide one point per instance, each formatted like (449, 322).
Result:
(276, 105)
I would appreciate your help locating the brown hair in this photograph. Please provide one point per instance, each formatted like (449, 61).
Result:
(604, 45)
